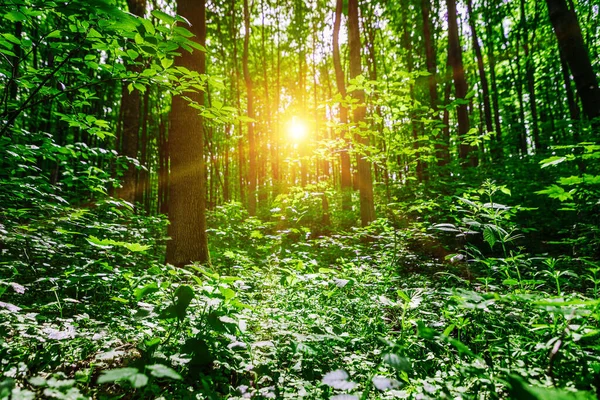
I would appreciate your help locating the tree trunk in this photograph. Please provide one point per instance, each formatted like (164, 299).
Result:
(497, 151)
(487, 109)
(570, 40)
(467, 153)
(346, 175)
(365, 178)
(252, 164)
(187, 193)
(131, 106)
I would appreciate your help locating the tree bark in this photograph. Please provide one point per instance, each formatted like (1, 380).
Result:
(570, 40)
(346, 175)
(187, 186)
(365, 178)
(467, 153)
(252, 164)
(131, 114)
(487, 109)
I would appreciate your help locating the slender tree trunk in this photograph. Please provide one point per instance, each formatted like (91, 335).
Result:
(487, 109)
(252, 164)
(574, 112)
(131, 112)
(365, 178)
(530, 76)
(142, 195)
(497, 151)
(467, 153)
(187, 186)
(346, 175)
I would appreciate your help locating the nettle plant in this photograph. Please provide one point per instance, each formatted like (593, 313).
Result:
(483, 217)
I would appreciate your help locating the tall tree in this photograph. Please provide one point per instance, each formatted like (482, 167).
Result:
(485, 91)
(346, 176)
(131, 102)
(570, 40)
(365, 178)
(252, 162)
(467, 153)
(187, 183)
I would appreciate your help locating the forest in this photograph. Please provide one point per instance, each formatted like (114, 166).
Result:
(300, 199)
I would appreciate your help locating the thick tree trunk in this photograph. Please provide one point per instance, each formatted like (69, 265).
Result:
(365, 178)
(570, 40)
(187, 186)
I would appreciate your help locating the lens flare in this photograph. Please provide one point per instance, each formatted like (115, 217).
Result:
(297, 129)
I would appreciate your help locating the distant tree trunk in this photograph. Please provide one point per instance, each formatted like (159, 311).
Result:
(530, 76)
(142, 195)
(131, 112)
(467, 153)
(240, 143)
(497, 151)
(163, 168)
(487, 109)
(574, 112)
(275, 163)
(407, 44)
(346, 175)
(365, 178)
(570, 40)
(252, 164)
(187, 186)
(430, 57)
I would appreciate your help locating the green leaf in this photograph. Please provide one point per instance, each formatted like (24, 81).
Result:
(135, 247)
(489, 236)
(139, 293)
(148, 26)
(120, 300)
(132, 54)
(162, 371)
(166, 62)
(164, 17)
(227, 293)
(519, 389)
(15, 16)
(554, 160)
(397, 362)
(54, 34)
(184, 295)
(556, 192)
(103, 244)
(131, 375)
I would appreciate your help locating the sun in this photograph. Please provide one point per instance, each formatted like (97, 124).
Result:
(297, 129)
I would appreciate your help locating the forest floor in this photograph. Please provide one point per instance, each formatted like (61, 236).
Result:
(283, 315)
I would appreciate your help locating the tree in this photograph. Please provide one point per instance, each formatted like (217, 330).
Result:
(187, 184)
(346, 176)
(365, 178)
(131, 101)
(570, 40)
(466, 152)
(252, 164)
